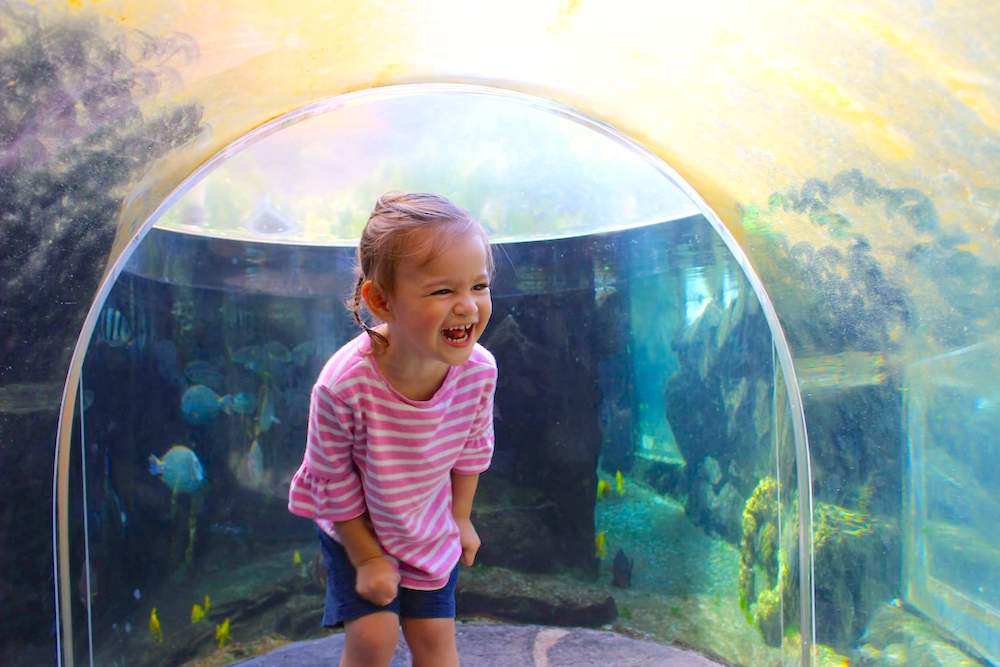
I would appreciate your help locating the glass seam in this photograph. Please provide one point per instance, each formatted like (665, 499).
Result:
(86, 523)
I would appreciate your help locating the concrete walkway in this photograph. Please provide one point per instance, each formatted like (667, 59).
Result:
(495, 645)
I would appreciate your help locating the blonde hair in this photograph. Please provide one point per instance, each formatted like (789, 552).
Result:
(402, 226)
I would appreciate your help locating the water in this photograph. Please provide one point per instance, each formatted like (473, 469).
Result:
(640, 420)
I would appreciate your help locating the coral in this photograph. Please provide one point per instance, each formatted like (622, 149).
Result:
(759, 547)
(767, 615)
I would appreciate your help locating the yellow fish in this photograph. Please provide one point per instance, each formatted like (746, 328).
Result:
(619, 483)
(222, 633)
(601, 544)
(602, 488)
(208, 603)
(197, 613)
(296, 558)
(154, 626)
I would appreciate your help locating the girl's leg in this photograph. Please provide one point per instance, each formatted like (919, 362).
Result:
(431, 641)
(370, 640)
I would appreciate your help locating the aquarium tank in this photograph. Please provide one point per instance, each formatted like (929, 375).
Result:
(649, 476)
(645, 475)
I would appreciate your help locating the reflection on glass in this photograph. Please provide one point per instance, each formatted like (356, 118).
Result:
(525, 173)
(952, 568)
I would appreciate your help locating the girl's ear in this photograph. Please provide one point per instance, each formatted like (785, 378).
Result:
(376, 300)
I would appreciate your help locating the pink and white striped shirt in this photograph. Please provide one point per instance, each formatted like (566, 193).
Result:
(371, 449)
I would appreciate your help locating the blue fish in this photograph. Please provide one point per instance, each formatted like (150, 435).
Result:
(266, 417)
(203, 372)
(239, 404)
(251, 358)
(200, 405)
(179, 469)
(269, 359)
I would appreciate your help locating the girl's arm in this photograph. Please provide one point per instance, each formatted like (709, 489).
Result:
(377, 577)
(463, 490)
(358, 540)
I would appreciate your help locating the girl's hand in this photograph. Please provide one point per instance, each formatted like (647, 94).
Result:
(377, 581)
(469, 539)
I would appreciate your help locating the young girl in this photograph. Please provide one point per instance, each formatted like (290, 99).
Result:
(400, 426)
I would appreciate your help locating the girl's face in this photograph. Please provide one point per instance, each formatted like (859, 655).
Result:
(440, 308)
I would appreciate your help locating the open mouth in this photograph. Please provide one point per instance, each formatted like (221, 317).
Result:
(458, 336)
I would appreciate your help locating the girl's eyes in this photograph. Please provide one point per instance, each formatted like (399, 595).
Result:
(475, 288)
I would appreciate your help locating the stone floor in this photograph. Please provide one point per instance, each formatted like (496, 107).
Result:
(496, 645)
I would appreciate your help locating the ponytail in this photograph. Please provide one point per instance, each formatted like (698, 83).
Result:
(354, 305)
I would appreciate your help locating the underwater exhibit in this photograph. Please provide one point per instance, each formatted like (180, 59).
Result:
(744, 314)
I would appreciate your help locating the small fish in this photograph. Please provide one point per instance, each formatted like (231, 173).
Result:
(197, 613)
(296, 558)
(619, 483)
(179, 469)
(113, 329)
(251, 358)
(222, 633)
(239, 404)
(200, 404)
(602, 488)
(208, 603)
(601, 544)
(154, 627)
(265, 416)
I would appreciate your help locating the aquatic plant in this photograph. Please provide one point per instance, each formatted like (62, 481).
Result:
(759, 549)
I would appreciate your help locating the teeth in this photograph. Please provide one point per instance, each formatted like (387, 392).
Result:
(465, 332)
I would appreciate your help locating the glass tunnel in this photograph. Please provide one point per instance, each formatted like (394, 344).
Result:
(618, 307)
(745, 316)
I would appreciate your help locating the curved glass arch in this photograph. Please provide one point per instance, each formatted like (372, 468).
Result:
(548, 179)
(269, 225)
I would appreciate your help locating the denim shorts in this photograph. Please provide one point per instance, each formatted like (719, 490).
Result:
(344, 604)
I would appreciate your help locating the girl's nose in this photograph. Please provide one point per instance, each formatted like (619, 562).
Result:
(465, 305)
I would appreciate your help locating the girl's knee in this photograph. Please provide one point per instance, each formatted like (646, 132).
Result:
(431, 641)
(371, 640)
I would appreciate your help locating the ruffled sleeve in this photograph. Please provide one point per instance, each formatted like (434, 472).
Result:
(326, 486)
(478, 450)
